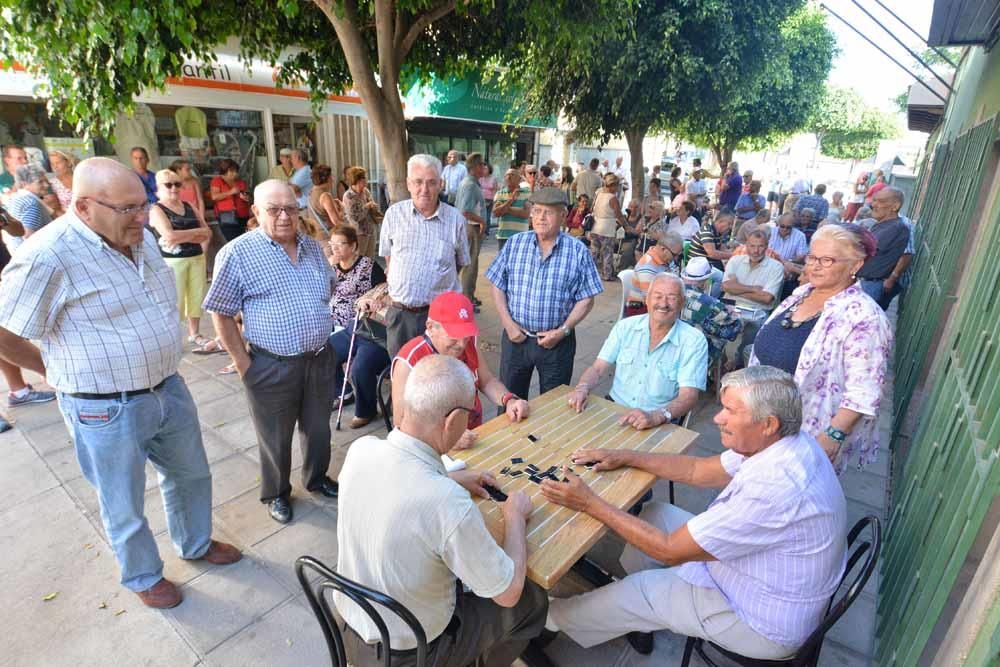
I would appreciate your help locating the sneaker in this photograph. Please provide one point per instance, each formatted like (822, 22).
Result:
(4, 425)
(31, 397)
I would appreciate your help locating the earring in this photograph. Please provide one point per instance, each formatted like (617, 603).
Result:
(854, 276)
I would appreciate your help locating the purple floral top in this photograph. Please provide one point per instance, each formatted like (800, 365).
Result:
(843, 364)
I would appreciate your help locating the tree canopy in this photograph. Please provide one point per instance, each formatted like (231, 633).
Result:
(778, 101)
(848, 129)
(97, 55)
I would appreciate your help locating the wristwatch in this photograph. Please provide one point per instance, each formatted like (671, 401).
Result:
(566, 331)
(836, 434)
(667, 417)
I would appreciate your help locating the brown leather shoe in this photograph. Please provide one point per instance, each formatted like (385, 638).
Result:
(162, 595)
(220, 553)
(361, 422)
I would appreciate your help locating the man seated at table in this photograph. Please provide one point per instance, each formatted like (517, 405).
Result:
(754, 282)
(409, 529)
(452, 330)
(660, 363)
(754, 572)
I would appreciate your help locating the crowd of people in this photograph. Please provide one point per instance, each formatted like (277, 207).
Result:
(781, 291)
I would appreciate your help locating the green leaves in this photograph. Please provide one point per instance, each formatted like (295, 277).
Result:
(847, 128)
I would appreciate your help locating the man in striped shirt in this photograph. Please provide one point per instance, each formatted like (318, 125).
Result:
(513, 208)
(753, 573)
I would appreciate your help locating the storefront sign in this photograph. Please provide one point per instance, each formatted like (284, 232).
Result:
(469, 99)
(80, 149)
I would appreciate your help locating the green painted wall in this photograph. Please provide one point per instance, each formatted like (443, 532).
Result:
(977, 93)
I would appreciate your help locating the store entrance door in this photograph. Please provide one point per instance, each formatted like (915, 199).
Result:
(295, 132)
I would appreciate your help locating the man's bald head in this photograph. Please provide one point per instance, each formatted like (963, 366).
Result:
(103, 177)
(266, 189)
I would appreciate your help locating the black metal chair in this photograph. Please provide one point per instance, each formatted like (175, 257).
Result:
(385, 403)
(363, 597)
(808, 654)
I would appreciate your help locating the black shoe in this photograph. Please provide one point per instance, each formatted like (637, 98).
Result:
(280, 509)
(476, 302)
(642, 642)
(348, 400)
(328, 488)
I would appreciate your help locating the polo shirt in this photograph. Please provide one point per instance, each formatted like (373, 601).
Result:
(769, 275)
(421, 346)
(406, 529)
(508, 225)
(6, 180)
(732, 192)
(893, 237)
(706, 234)
(648, 380)
(149, 184)
(470, 198)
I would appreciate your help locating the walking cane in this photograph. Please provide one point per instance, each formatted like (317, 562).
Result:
(347, 371)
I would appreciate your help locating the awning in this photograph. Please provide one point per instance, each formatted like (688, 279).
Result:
(961, 22)
(924, 110)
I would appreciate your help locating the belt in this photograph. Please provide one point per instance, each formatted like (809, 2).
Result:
(411, 309)
(280, 357)
(119, 394)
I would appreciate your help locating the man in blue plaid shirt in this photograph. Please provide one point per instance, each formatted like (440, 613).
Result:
(544, 284)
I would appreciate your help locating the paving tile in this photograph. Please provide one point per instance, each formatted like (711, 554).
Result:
(36, 416)
(23, 474)
(50, 438)
(246, 518)
(238, 431)
(223, 601)
(288, 635)
(216, 447)
(313, 534)
(232, 476)
(208, 389)
(564, 651)
(864, 487)
(63, 463)
(69, 559)
(838, 655)
(856, 628)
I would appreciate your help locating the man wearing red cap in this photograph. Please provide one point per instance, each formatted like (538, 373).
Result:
(452, 330)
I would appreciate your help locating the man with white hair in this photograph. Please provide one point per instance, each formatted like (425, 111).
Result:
(660, 363)
(301, 178)
(281, 282)
(93, 288)
(755, 571)
(453, 174)
(425, 246)
(428, 536)
(30, 185)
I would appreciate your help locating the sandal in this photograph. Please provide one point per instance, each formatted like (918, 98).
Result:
(198, 341)
(213, 346)
(227, 370)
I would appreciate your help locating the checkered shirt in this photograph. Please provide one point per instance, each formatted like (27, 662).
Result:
(542, 292)
(285, 305)
(105, 323)
(424, 253)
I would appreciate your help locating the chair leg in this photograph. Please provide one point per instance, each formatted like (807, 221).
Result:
(670, 487)
(688, 650)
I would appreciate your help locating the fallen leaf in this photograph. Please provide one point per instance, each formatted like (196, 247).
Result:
(88, 546)
(119, 612)
(103, 605)
(220, 424)
(50, 596)
(288, 641)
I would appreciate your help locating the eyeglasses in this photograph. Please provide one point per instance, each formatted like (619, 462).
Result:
(786, 226)
(825, 262)
(122, 210)
(471, 411)
(172, 184)
(531, 173)
(340, 244)
(276, 211)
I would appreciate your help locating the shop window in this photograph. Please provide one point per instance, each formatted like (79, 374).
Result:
(28, 123)
(295, 132)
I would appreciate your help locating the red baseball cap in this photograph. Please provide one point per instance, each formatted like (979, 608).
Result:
(454, 312)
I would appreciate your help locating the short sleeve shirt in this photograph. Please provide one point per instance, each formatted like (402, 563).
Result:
(648, 380)
(32, 213)
(768, 275)
(508, 224)
(706, 234)
(470, 197)
(421, 346)
(791, 247)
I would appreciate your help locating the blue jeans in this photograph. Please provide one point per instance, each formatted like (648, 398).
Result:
(876, 290)
(368, 361)
(114, 438)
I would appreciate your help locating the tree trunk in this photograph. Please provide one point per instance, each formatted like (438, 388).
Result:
(635, 139)
(717, 153)
(390, 132)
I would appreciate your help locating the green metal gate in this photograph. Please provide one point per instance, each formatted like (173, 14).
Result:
(952, 473)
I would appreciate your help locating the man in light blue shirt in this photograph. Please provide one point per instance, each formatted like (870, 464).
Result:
(660, 363)
(301, 178)
(790, 243)
(453, 175)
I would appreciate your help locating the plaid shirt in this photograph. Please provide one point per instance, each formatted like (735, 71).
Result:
(106, 323)
(424, 253)
(541, 292)
(285, 305)
(717, 321)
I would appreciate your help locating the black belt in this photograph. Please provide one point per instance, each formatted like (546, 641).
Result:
(280, 357)
(411, 309)
(119, 394)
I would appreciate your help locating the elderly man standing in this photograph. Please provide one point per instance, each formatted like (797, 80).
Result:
(428, 535)
(817, 202)
(755, 571)
(281, 282)
(26, 205)
(660, 363)
(424, 243)
(732, 188)
(453, 175)
(589, 181)
(470, 203)
(544, 284)
(301, 178)
(94, 290)
(140, 165)
(880, 274)
(513, 207)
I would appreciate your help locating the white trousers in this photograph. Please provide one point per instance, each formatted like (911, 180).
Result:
(652, 597)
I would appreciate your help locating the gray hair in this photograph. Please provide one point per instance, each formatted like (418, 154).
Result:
(423, 160)
(302, 153)
(669, 238)
(770, 392)
(27, 174)
(763, 214)
(896, 193)
(672, 278)
(437, 385)
(808, 209)
(759, 234)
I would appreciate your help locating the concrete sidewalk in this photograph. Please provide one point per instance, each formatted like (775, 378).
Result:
(64, 606)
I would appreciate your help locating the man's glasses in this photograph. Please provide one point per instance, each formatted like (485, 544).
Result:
(471, 411)
(172, 184)
(786, 226)
(275, 211)
(122, 210)
(825, 262)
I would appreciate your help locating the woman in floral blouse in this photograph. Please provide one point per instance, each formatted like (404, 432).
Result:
(360, 210)
(836, 341)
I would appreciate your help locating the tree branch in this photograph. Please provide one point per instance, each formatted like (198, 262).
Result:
(421, 24)
(353, 46)
(385, 41)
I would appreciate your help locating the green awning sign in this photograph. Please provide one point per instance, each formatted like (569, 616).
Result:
(468, 99)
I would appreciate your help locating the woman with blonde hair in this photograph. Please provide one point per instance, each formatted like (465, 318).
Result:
(181, 231)
(360, 210)
(836, 341)
(607, 216)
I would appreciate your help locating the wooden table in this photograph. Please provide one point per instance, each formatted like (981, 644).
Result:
(557, 536)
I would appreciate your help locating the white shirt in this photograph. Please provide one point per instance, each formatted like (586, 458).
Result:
(408, 530)
(106, 323)
(800, 187)
(768, 275)
(779, 532)
(687, 229)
